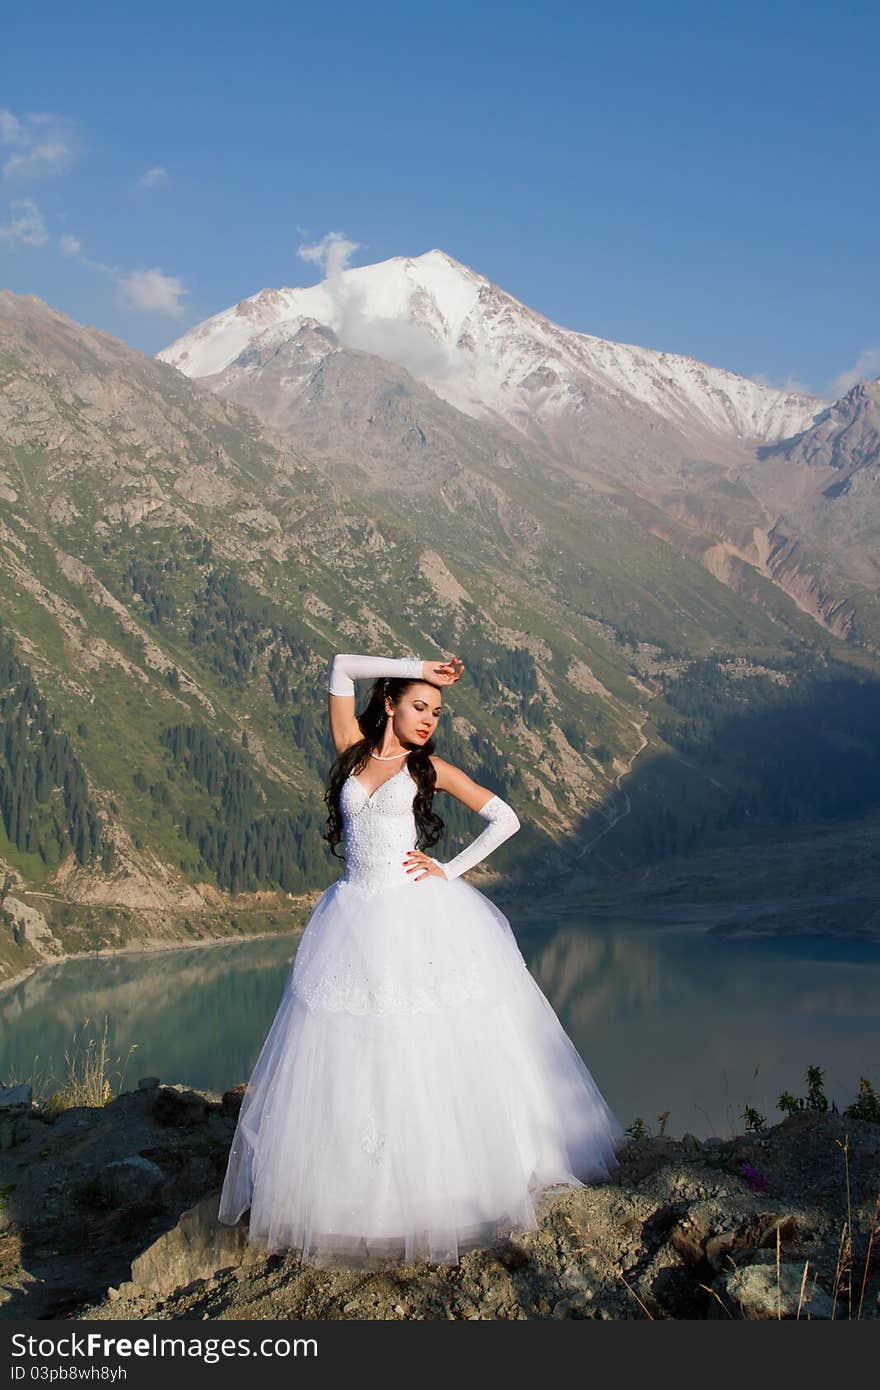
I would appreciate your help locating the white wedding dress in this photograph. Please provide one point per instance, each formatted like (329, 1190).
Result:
(416, 1091)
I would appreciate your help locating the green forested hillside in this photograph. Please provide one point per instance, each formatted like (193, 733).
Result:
(174, 581)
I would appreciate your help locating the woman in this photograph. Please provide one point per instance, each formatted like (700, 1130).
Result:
(416, 1092)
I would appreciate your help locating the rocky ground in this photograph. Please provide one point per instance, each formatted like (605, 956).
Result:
(110, 1212)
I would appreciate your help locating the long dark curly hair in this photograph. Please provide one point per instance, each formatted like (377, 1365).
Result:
(372, 721)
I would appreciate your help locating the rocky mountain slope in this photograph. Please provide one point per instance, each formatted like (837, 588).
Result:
(648, 427)
(166, 564)
(175, 574)
(823, 488)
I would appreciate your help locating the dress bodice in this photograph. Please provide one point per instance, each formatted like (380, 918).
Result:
(377, 831)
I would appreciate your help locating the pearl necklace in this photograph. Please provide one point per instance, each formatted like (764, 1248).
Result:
(391, 757)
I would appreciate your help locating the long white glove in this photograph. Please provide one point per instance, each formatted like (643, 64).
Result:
(503, 822)
(346, 669)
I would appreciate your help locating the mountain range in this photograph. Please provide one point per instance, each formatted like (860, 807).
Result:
(648, 566)
(695, 441)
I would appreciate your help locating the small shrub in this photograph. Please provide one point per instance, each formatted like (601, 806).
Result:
(867, 1107)
(637, 1130)
(815, 1097)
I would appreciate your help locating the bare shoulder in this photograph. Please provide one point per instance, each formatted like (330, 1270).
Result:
(441, 767)
(451, 779)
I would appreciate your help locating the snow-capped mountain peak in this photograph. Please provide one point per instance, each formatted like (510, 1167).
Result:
(490, 355)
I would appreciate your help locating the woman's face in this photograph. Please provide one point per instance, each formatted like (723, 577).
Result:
(414, 717)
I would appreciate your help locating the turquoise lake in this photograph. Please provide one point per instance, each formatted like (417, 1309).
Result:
(666, 1018)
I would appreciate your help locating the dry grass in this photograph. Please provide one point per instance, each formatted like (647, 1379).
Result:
(875, 1231)
(86, 1080)
(843, 1274)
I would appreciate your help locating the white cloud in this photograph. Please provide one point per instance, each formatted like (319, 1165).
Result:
(152, 292)
(866, 368)
(26, 225)
(40, 144)
(147, 291)
(410, 345)
(153, 177)
(72, 247)
(11, 132)
(331, 254)
(790, 384)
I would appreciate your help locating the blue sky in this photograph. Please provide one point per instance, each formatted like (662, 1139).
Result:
(690, 177)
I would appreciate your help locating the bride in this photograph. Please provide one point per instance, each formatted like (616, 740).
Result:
(416, 1092)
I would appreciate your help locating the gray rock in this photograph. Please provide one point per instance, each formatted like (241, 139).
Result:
(132, 1179)
(149, 1083)
(16, 1097)
(127, 1290)
(754, 1293)
(197, 1247)
(576, 1279)
(179, 1106)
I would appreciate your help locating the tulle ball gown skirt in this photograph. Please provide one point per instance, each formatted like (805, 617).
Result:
(416, 1092)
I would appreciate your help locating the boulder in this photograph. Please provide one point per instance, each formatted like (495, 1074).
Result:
(177, 1107)
(197, 1247)
(15, 1097)
(754, 1293)
(231, 1102)
(128, 1180)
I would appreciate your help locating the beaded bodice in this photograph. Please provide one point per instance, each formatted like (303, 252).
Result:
(377, 831)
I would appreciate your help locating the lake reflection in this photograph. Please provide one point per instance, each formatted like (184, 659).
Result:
(665, 1018)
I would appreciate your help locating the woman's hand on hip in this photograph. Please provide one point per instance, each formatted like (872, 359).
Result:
(421, 867)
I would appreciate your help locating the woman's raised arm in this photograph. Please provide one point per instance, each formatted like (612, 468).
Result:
(345, 669)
